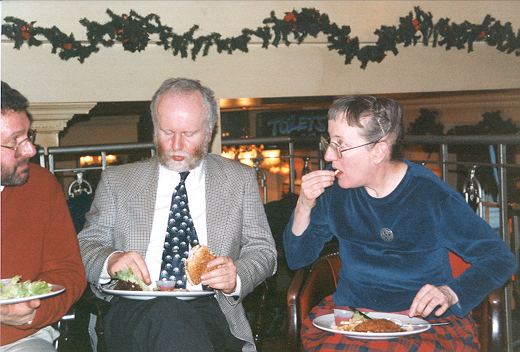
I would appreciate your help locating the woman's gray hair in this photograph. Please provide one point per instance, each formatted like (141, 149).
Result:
(381, 117)
(186, 86)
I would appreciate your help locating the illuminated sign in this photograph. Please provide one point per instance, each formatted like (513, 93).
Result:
(292, 124)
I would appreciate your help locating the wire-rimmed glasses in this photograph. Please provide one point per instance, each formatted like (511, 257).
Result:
(338, 149)
(31, 137)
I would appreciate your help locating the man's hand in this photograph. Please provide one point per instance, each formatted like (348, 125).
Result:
(124, 260)
(429, 297)
(19, 313)
(223, 275)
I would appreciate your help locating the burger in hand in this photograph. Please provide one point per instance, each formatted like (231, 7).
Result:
(197, 263)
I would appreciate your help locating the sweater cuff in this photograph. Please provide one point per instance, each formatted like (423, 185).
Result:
(457, 309)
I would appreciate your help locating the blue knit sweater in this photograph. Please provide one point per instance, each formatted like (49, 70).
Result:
(390, 247)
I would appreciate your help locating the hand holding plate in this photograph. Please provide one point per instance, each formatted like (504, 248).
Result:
(19, 313)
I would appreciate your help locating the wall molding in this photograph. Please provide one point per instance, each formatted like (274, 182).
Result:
(49, 119)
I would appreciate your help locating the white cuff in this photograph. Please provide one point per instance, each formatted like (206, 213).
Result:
(104, 277)
(238, 287)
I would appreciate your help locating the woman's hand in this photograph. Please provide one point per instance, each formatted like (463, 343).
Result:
(429, 297)
(313, 185)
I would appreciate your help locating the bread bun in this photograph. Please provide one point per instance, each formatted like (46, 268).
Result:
(197, 263)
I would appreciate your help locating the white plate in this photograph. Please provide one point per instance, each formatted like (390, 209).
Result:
(327, 323)
(184, 295)
(55, 290)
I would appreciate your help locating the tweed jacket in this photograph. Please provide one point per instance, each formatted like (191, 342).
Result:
(121, 216)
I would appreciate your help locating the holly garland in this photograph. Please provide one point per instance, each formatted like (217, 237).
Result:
(135, 32)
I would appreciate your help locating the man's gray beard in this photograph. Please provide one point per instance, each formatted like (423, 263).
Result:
(189, 163)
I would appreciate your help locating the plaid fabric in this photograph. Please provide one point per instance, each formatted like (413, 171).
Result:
(460, 335)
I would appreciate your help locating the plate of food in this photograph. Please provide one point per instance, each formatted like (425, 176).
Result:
(130, 286)
(381, 326)
(14, 290)
(152, 293)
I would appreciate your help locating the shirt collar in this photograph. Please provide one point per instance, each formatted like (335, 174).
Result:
(196, 174)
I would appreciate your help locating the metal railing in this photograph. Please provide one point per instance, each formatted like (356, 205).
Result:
(290, 144)
(101, 149)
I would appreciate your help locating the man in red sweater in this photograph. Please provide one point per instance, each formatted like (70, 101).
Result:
(38, 238)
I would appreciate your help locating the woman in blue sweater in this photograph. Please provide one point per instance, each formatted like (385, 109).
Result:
(395, 222)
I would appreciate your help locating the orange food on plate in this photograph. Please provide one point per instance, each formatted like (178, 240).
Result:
(378, 325)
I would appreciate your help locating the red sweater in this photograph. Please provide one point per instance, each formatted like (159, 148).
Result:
(39, 243)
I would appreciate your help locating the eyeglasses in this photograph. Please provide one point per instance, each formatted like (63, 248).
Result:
(31, 137)
(338, 150)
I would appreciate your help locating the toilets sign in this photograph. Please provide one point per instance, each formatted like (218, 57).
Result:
(296, 125)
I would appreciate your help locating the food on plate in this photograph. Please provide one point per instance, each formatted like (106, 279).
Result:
(359, 323)
(197, 263)
(15, 289)
(377, 325)
(128, 281)
(350, 324)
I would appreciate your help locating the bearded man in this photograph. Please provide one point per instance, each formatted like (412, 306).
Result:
(132, 225)
(38, 239)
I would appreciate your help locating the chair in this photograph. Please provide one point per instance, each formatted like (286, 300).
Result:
(265, 309)
(310, 285)
(74, 326)
(63, 326)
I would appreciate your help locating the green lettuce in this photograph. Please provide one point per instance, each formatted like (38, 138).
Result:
(128, 275)
(16, 289)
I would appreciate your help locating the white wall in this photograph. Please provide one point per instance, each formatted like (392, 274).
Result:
(305, 70)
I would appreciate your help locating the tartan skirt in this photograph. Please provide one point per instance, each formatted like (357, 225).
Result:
(460, 335)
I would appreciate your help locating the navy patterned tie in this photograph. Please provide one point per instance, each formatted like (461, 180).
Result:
(180, 233)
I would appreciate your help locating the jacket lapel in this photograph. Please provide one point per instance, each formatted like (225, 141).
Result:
(143, 202)
(218, 189)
